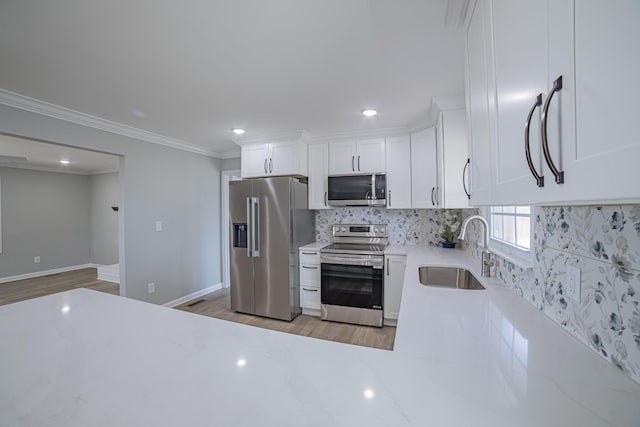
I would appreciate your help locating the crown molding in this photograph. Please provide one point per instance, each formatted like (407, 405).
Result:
(360, 134)
(300, 134)
(44, 168)
(33, 105)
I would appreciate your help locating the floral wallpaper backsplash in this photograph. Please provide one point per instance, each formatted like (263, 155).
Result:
(405, 226)
(604, 243)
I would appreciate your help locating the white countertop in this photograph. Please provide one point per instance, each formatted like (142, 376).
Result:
(313, 246)
(461, 358)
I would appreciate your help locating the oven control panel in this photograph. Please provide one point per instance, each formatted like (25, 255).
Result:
(360, 230)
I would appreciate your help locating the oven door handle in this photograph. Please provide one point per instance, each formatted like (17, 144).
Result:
(377, 264)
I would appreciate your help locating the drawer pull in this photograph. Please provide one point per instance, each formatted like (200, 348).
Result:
(309, 253)
(311, 268)
(310, 290)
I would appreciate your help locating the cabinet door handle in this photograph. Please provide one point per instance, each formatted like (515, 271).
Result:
(326, 199)
(310, 268)
(358, 163)
(270, 165)
(389, 204)
(557, 85)
(387, 266)
(309, 253)
(265, 165)
(464, 182)
(432, 201)
(310, 290)
(527, 149)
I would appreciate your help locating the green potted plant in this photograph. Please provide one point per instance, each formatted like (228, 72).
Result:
(450, 233)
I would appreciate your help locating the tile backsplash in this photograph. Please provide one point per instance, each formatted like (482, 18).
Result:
(405, 226)
(604, 243)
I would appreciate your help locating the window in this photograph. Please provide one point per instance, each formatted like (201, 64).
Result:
(510, 232)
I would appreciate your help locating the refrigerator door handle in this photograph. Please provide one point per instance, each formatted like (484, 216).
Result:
(249, 226)
(255, 227)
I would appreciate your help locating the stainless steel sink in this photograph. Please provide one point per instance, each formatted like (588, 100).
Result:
(448, 277)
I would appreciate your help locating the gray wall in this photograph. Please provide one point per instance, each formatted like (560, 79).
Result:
(157, 183)
(44, 214)
(104, 193)
(231, 164)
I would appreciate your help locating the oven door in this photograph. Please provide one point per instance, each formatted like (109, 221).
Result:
(352, 281)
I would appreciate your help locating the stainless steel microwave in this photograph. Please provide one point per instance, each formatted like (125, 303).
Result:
(357, 190)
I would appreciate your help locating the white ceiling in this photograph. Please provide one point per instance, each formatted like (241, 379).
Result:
(194, 69)
(46, 157)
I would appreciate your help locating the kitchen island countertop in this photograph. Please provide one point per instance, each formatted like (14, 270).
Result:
(461, 358)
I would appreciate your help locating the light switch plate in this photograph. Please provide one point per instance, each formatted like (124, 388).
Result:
(573, 282)
(151, 288)
(36, 259)
(158, 225)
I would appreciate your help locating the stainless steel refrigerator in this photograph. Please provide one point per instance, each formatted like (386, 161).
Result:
(269, 221)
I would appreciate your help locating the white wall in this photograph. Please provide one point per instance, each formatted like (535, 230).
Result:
(45, 214)
(103, 220)
(157, 183)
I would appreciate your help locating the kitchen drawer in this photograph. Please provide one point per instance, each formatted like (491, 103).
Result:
(309, 257)
(310, 275)
(310, 297)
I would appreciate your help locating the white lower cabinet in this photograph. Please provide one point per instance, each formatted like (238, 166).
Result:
(393, 281)
(310, 281)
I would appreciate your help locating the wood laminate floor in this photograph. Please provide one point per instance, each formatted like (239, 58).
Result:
(21, 290)
(216, 304)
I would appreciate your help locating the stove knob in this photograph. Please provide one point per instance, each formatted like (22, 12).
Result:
(383, 230)
(375, 230)
(343, 229)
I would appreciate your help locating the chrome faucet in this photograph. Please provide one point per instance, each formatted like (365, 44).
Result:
(486, 255)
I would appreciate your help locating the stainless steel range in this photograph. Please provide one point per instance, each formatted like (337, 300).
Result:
(352, 274)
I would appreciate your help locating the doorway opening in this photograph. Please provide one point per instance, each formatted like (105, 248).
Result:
(227, 177)
(62, 219)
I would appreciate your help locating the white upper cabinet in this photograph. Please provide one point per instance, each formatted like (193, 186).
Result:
(563, 74)
(274, 159)
(601, 160)
(371, 156)
(519, 66)
(398, 164)
(342, 158)
(425, 192)
(357, 157)
(254, 160)
(453, 155)
(477, 94)
(318, 171)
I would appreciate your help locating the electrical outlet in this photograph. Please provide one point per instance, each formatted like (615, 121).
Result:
(36, 260)
(573, 282)
(151, 288)
(158, 225)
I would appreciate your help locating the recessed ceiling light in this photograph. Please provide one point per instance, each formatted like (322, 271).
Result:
(369, 112)
(237, 131)
(65, 162)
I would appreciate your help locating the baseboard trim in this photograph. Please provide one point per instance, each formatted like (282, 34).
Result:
(192, 296)
(46, 272)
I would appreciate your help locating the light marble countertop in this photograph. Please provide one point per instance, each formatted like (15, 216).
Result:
(461, 358)
(314, 246)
